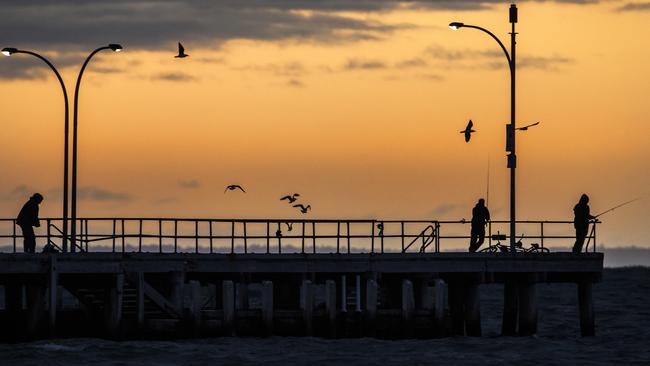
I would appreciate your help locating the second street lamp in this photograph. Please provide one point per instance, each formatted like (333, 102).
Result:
(510, 128)
(73, 229)
(8, 51)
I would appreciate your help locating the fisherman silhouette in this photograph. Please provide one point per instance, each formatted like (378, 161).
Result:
(27, 218)
(581, 222)
(480, 217)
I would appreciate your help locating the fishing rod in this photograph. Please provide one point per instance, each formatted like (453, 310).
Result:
(487, 195)
(618, 206)
(593, 228)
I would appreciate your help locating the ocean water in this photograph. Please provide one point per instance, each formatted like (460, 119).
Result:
(622, 304)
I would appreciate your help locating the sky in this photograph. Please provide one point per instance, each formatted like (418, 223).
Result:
(357, 105)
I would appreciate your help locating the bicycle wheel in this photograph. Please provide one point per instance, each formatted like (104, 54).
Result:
(490, 249)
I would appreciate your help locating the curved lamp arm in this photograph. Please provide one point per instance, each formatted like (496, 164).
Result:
(10, 51)
(457, 25)
(73, 203)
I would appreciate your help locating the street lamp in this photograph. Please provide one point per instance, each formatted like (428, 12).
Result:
(73, 230)
(510, 128)
(9, 51)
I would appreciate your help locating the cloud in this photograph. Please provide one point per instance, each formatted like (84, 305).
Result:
(295, 83)
(189, 184)
(288, 69)
(635, 7)
(174, 76)
(358, 64)
(100, 194)
(20, 192)
(411, 63)
(492, 59)
(79, 26)
(444, 209)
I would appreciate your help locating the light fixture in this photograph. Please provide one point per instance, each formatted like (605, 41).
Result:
(8, 51)
(115, 47)
(456, 25)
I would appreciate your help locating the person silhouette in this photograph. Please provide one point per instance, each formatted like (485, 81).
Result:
(480, 218)
(581, 222)
(27, 218)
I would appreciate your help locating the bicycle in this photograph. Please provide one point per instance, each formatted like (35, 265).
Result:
(519, 246)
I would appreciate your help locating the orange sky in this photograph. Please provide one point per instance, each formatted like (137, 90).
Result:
(361, 128)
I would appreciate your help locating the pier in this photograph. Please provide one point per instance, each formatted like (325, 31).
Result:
(168, 278)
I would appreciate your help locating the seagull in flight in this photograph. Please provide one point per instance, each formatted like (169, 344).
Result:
(468, 131)
(293, 198)
(181, 51)
(232, 187)
(289, 225)
(303, 208)
(525, 128)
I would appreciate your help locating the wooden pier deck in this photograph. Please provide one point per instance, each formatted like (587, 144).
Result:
(126, 295)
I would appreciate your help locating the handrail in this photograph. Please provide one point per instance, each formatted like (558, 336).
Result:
(426, 239)
(205, 235)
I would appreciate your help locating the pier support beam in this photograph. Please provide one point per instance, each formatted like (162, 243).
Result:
(472, 310)
(371, 308)
(114, 306)
(53, 303)
(527, 307)
(330, 306)
(35, 294)
(195, 307)
(586, 305)
(408, 307)
(439, 308)
(510, 307)
(456, 308)
(177, 279)
(228, 298)
(307, 305)
(139, 299)
(267, 306)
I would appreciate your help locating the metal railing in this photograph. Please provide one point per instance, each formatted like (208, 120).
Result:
(174, 235)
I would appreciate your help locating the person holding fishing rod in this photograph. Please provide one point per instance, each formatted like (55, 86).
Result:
(581, 222)
(583, 217)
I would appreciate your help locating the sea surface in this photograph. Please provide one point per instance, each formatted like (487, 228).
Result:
(622, 304)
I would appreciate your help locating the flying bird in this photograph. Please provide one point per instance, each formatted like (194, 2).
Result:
(468, 131)
(232, 187)
(303, 208)
(293, 198)
(525, 128)
(289, 225)
(181, 51)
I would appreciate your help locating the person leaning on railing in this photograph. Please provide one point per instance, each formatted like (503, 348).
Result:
(480, 218)
(27, 218)
(581, 222)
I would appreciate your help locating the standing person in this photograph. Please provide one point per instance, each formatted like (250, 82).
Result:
(581, 222)
(480, 218)
(27, 218)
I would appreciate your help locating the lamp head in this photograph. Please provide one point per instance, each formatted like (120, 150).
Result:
(456, 25)
(115, 47)
(8, 51)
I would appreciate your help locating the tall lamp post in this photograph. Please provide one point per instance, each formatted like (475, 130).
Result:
(73, 229)
(8, 51)
(510, 128)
